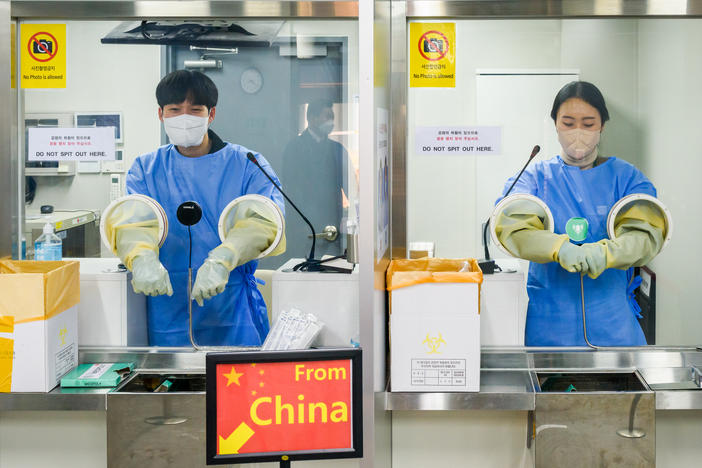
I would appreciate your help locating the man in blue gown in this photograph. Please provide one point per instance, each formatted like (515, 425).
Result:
(198, 165)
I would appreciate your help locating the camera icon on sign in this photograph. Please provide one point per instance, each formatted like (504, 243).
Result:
(43, 46)
(433, 45)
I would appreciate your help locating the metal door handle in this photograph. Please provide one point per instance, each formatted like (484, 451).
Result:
(329, 233)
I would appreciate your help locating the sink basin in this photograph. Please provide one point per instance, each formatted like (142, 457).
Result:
(157, 420)
(549, 382)
(588, 419)
(163, 383)
(672, 378)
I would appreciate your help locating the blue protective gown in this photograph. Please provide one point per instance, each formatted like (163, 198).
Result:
(554, 315)
(237, 316)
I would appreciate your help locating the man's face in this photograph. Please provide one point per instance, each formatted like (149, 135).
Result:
(186, 107)
(326, 115)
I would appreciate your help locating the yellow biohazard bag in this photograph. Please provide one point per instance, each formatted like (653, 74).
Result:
(408, 272)
(38, 323)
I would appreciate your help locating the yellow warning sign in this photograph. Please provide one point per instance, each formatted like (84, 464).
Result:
(432, 51)
(43, 55)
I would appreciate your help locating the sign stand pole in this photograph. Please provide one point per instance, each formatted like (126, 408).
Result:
(284, 463)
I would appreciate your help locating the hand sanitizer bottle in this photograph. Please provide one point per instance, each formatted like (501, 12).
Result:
(48, 245)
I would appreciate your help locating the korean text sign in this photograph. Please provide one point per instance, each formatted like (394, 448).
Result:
(458, 140)
(71, 144)
(283, 406)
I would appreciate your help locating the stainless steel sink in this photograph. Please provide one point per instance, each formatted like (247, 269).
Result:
(157, 420)
(589, 382)
(672, 378)
(588, 419)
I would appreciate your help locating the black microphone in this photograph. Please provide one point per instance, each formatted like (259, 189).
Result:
(488, 265)
(252, 158)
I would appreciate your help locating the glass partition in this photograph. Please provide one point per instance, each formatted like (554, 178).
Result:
(286, 93)
(507, 74)
(266, 87)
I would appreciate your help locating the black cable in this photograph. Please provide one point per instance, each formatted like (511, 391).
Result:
(485, 244)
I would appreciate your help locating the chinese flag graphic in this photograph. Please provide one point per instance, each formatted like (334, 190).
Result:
(283, 406)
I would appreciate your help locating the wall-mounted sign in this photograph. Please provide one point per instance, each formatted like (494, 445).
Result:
(457, 140)
(280, 406)
(71, 144)
(432, 50)
(43, 55)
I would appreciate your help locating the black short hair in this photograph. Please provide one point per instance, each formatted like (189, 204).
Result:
(588, 92)
(182, 85)
(314, 108)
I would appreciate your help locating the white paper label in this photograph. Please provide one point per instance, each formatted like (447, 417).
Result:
(95, 371)
(65, 360)
(71, 144)
(444, 372)
(457, 140)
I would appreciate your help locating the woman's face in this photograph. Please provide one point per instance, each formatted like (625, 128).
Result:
(576, 113)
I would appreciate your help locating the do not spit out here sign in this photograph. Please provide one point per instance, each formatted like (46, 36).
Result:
(71, 144)
(458, 140)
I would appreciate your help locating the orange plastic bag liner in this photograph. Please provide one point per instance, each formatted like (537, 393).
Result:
(409, 272)
(37, 290)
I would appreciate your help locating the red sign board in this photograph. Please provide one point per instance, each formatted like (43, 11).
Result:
(279, 405)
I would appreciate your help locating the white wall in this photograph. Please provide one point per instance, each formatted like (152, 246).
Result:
(670, 99)
(100, 77)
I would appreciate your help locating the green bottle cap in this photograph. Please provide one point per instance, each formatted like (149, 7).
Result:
(576, 228)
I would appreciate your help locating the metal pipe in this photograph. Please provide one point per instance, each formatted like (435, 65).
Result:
(582, 302)
(202, 64)
(632, 433)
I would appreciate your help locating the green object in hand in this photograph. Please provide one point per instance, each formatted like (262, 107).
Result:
(576, 228)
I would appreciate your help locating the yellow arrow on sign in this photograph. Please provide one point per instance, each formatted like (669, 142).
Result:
(236, 439)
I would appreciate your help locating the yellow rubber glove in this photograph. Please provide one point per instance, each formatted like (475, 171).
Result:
(595, 258)
(132, 230)
(640, 232)
(149, 276)
(520, 229)
(251, 234)
(572, 258)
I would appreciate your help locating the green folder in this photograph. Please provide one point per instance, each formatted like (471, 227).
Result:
(105, 374)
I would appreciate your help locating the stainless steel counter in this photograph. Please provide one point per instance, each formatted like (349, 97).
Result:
(507, 377)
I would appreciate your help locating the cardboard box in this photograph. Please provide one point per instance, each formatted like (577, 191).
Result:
(38, 323)
(434, 325)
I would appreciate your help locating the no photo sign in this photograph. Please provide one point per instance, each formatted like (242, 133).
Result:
(43, 55)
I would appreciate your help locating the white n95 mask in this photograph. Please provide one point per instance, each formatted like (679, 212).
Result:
(185, 130)
(579, 146)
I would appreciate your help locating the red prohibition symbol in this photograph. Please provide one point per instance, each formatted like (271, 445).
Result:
(442, 53)
(42, 47)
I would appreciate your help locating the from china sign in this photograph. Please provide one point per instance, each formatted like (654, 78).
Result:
(264, 406)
